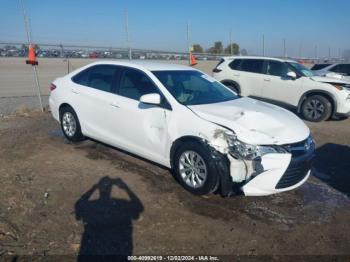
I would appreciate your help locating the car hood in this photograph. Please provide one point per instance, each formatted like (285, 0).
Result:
(334, 80)
(255, 122)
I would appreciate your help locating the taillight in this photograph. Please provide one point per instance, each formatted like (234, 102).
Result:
(52, 87)
(216, 70)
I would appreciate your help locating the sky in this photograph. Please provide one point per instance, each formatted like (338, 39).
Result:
(162, 24)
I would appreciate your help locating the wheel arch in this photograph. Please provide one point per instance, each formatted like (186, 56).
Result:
(180, 141)
(232, 82)
(63, 105)
(326, 94)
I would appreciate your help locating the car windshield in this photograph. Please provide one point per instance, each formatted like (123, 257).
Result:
(304, 71)
(190, 87)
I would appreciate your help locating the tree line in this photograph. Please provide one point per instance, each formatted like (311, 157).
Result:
(218, 48)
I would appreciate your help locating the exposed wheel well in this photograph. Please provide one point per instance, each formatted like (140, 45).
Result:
(178, 142)
(232, 83)
(320, 93)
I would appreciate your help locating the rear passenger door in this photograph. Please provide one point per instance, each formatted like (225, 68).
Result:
(249, 75)
(94, 93)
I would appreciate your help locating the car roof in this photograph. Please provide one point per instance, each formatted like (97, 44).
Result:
(145, 65)
(258, 57)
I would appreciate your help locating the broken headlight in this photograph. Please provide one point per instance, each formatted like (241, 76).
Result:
(241, 150)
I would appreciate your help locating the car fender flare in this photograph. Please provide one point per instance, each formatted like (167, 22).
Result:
(318, 92)
(232, 82)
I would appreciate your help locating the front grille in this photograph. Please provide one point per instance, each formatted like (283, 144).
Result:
(292, 176)
(302, 158)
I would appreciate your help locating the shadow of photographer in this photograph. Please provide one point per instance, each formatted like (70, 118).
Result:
(107, 221)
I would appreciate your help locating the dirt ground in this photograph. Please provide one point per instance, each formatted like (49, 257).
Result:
(61, 198)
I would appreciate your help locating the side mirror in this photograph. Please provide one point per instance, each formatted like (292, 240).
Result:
(152, 99)
(292, 75)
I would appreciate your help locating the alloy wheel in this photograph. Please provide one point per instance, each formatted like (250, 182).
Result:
(69, 124)
(314, 109)
(192, 169)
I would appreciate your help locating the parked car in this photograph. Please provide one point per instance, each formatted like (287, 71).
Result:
(319, 66)
(340, 71)
(287, 83)
(183, 119)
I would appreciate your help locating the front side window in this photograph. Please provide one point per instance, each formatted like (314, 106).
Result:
(252, 65)
(101, 77)
(276, 68)
(301, 70)
(190, 87)
(134, 84)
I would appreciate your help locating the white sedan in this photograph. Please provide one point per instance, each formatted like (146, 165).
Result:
(181, 118)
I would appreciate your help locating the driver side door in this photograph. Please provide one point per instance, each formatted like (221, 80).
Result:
(277, 86)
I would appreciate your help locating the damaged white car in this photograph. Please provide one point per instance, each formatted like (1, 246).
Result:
(183, 119)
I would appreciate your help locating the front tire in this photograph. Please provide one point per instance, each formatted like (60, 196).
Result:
(195, 169)
(70, 124)
(316, 108)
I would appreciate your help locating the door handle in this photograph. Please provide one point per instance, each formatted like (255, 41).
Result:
(267, 79)
(74, 91)
(235, 74)
(114, 104)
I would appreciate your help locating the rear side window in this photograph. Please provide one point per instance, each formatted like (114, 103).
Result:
(134, 84)
(235, 64)
(276, 68)
(101, 77)
(82, 77)
(252, 65)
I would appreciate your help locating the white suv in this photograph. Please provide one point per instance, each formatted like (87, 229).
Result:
(286, 83)
(184, 119)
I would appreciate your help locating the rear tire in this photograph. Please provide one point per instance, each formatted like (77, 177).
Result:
(195, 169)
(70, 124)
(316, 108)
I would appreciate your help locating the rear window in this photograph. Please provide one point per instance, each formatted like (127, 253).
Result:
(252, 65)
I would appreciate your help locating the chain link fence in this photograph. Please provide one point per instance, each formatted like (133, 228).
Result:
(17, 83)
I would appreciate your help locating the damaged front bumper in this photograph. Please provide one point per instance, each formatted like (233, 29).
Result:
(275, 172)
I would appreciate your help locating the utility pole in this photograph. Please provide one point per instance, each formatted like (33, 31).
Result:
(188, 43)
(127, 34)
(284, 49)
(316, 52)
(300, 50)
(231, 47)
(329, 52)
(29, 38)
(263, 44)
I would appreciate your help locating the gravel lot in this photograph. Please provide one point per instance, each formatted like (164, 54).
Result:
(56, 196)
(62, 198)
